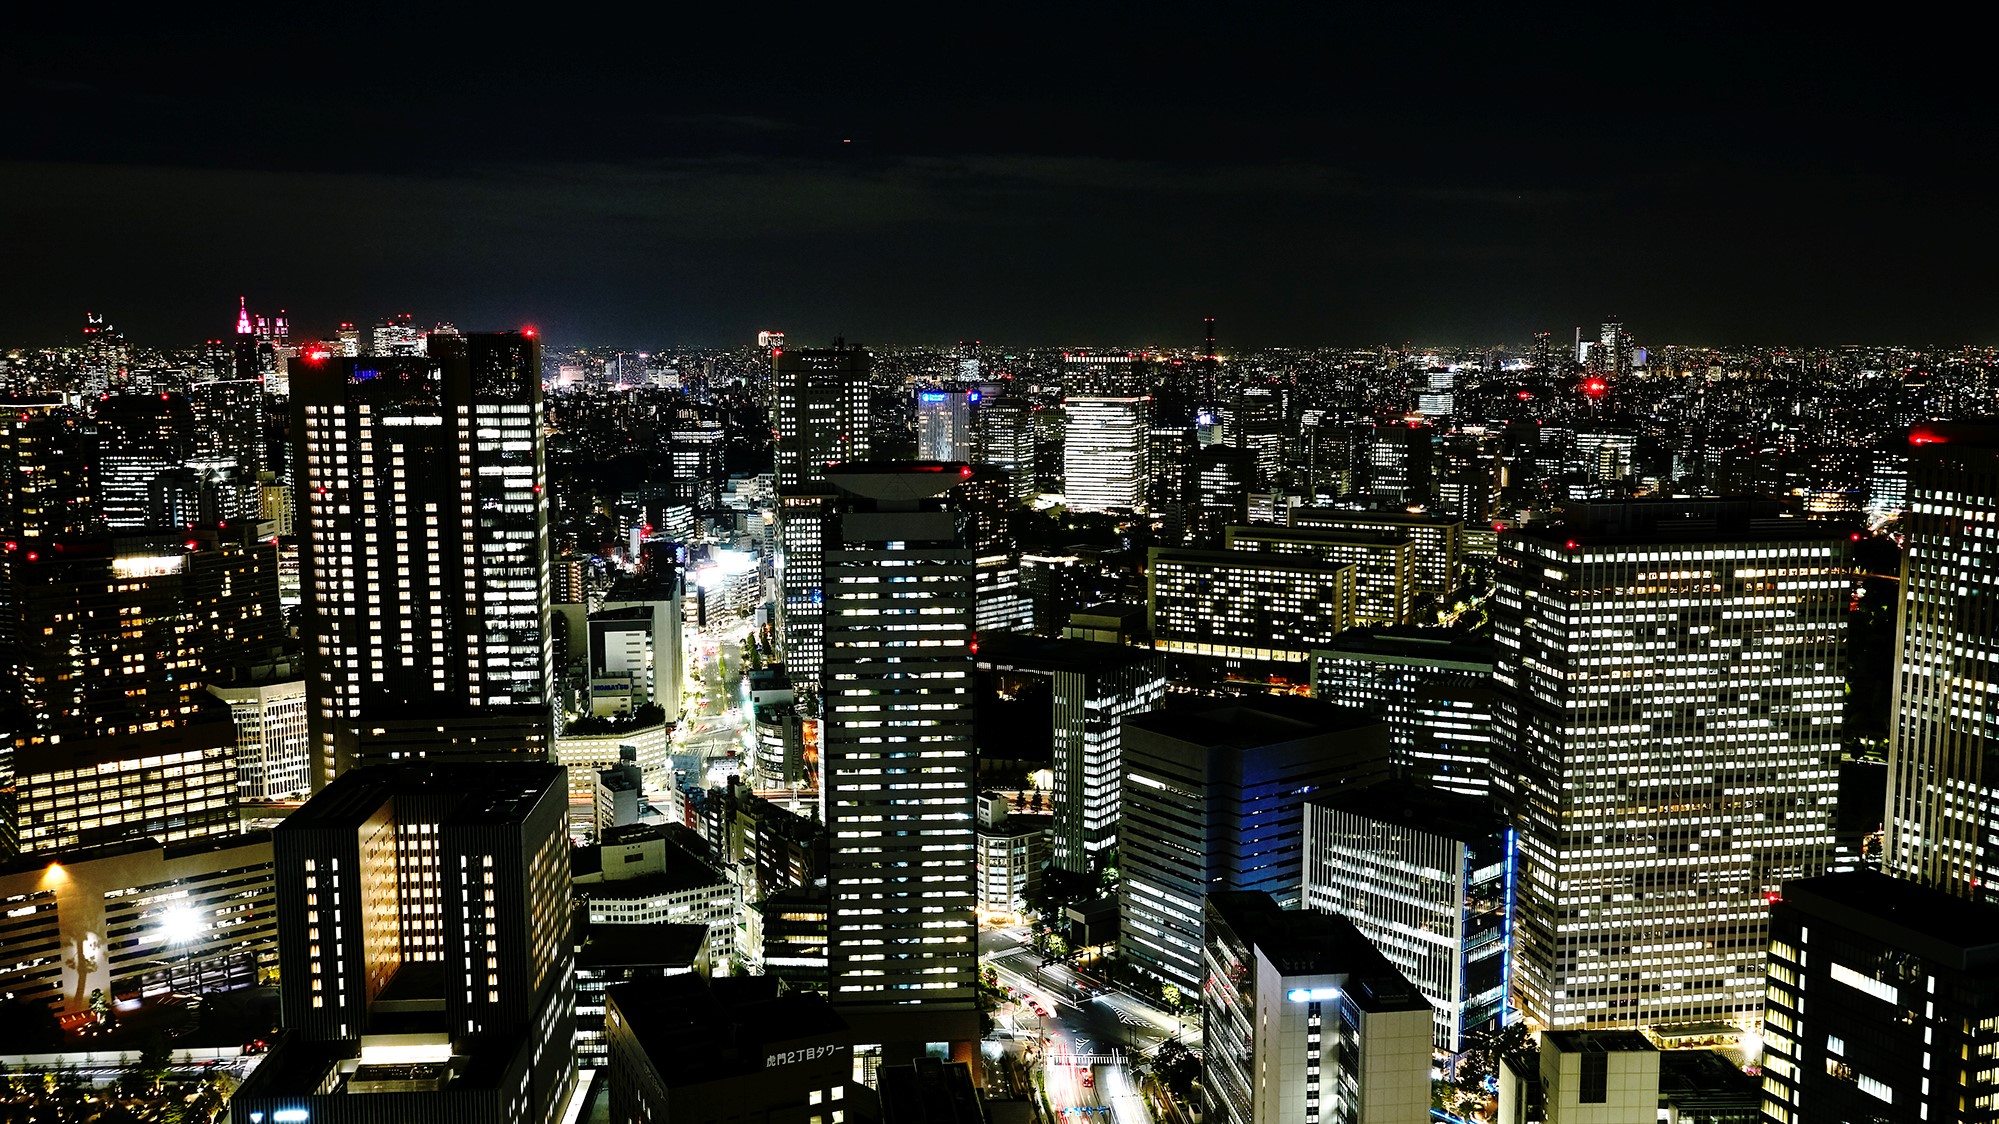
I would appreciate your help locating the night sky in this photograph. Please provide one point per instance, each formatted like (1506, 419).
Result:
(1005, 172)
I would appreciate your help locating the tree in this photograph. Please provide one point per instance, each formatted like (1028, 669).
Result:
(1176, 1067)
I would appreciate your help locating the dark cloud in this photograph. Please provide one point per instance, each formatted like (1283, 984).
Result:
(1308, 175)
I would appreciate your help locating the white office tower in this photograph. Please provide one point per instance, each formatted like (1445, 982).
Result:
(1666, 739)
(897, 759)
(273, 742)
(1104, 453)
(423, 514)
(944, 424)
(1305, 1022)
(1943, 795)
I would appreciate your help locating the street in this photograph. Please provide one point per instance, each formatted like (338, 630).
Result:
(1088, 1039)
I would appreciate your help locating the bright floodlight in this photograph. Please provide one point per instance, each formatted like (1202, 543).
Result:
(180, 925)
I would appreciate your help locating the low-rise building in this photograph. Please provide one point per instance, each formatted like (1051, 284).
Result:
(689, 1050)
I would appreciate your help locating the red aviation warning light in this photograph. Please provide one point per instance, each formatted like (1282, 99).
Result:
(1595, 388)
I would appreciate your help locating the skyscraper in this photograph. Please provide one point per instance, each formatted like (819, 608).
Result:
(944, 424)
(45, 470)
(897, 757)
(1667, 743)
(819, 411)
(1943, 800)
(139, 437)
(1006, 438)
(425, 552)
(819, 417)
(1305, 1021)
(1104, 453)
(423, 934)
(1214, 800)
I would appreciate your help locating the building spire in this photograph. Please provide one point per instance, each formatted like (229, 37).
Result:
(243, 327)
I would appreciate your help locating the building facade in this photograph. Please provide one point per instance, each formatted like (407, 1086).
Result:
(897, 758)
(1425, 875)
(1095, 688)
(1104, 453)
(1667, 738)
(1942, 819)
(422, 504)
(1214, 800)
(1434, 689)
(1305, 1023)
(1883, 1003)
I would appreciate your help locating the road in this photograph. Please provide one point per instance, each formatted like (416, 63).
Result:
(712, 721)
(1089, 1038)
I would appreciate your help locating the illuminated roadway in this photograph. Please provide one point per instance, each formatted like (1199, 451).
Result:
(1097, 1033)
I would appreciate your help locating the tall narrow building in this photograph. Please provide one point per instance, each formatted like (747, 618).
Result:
(1666, 740)
(424, 552)
(897, 758)
(1943, 799)
(819, 417)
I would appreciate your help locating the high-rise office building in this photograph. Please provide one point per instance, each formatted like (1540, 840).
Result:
(1111, 375)
(139, 436)
(802, 515)
(1439, 542)
(1943, 800)
(1399, 464)
(897, 757)
(1667, 732)
(1427, 876)
(1006, 438)
(1305, 1022)
(273, 743)
(46, 470)
(111, 736)
(1214, 800)
(424, 942)
(1256, 425)
(1883, 1003)
(1104, 453)
(819, 411)
(1094, 687)
(944, 424)
(1434, 689)
(1246, 604)
(1384, 564)
(422, 505)
(819, 417)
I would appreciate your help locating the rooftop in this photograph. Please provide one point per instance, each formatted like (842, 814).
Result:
(1408, 803)
(1250, 721)
(1599, 1041)
(484, 792)
(1936, 925)
(1408, 642)
(696, 1030)
(1306, 942)
(1037, 653)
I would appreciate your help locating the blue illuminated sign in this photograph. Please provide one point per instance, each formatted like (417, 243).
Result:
(1311, 994)
(973, 396)
(932, 396)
